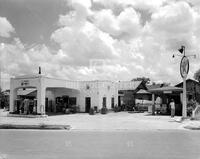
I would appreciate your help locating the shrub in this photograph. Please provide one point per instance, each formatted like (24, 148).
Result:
(116, 109)
(91, 112)
(191, 105)
(67, 111)
(104, 110)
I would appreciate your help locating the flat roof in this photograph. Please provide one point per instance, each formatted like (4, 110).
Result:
(28, 76)
(168, 88)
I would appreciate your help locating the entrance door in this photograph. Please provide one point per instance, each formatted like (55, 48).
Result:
(87, 104)
(104, 102)
(119, 101)
(112, 102)
(46, 105)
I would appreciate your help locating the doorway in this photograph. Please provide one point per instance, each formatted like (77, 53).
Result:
(119, 101)
(104, 102)
(112, 102)
(46, 105)
(87, 104)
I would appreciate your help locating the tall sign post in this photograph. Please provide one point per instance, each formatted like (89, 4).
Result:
(1, 52)
(184, 69)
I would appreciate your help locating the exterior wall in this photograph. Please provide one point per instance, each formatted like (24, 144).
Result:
(89, 89)
(59, 83)
(50, 94)
(96, 90)
(108, 90)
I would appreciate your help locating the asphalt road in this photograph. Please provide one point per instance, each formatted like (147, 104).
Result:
(40, 144)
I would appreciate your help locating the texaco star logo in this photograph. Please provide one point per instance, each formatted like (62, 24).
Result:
(184, 67)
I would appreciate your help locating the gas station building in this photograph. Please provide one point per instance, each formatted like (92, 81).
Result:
(49, 91)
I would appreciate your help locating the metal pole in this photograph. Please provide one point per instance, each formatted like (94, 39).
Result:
(184, 107)
(0, 72)
(1, 53)
(184, 69)
(153, 104)
(0, 79)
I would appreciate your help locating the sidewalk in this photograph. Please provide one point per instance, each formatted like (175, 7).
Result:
(192, 124)
(109, 122)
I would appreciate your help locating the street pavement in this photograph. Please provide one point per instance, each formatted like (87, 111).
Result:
(109, 122)
(139, 144)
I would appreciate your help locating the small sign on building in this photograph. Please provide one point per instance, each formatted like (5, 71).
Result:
(167, 92)
(25, 83)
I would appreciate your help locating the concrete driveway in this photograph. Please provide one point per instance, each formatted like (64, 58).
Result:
(109, 122)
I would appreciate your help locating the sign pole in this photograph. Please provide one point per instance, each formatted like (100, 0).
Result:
(184, 69)
(184, 108)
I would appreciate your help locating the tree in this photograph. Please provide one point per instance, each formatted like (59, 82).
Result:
(165, 84)
(145, 79)
(3, 100)
(197, 75)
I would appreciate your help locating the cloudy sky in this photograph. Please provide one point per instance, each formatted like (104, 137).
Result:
(98, 39)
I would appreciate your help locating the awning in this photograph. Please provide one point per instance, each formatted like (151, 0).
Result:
(26, 92)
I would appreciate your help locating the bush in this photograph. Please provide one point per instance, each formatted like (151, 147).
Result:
(116, 109)
(75, 109)
(96, 109)
(67, 111)
(104, 110)
(191, 105)
(129, 108)
(91, 112)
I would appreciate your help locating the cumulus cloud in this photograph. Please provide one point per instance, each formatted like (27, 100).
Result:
(174, 25)
(5, 27)
(139, 4)
(81, 40)
(132, 46)
(124, 26)
(106, 40)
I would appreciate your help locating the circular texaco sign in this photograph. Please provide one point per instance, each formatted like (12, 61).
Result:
(184, 67)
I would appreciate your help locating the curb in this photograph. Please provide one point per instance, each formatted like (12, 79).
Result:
(26, 116)
(39, 127)
(192, 128)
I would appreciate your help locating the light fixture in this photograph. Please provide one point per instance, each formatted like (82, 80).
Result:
(181, 49)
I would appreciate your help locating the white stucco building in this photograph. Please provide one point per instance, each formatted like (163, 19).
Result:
(85, 94)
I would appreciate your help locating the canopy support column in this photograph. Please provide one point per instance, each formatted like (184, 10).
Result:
(153, 104)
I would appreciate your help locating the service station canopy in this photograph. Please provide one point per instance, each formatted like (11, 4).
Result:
(166, 90)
